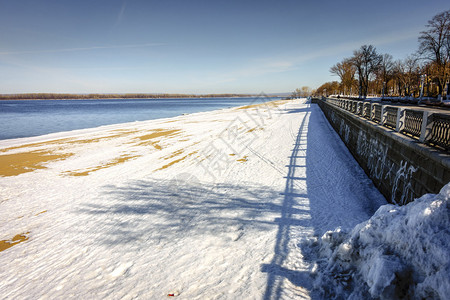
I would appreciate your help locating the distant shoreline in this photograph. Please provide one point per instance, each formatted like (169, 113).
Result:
(53, 96)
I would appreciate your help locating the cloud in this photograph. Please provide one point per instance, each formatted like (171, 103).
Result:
(81, 49)
(121, 13)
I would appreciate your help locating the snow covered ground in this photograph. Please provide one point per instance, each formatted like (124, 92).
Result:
(400, 253)
(215, 205)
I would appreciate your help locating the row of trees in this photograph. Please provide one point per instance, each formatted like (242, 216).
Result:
(303, 92)
(370, 72)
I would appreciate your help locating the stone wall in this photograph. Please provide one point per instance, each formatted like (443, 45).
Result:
(400, 167)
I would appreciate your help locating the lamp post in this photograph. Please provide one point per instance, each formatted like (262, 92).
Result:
(448, 88)
(422, 79)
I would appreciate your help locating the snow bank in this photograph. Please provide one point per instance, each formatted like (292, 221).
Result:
(401, 252)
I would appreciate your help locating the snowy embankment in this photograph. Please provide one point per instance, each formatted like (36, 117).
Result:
(213, 205)
(400, 252)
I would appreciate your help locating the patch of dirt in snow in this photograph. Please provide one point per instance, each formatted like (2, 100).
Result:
(243, 160)
(17, 239)
(109, 164)
(19, 163)
(264, 104)
(36, 155)
(149, 139)
(176, 161)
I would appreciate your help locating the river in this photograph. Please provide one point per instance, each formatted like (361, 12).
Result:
(26, 118)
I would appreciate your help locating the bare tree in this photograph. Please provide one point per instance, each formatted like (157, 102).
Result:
(406, 75)
(386, 71)
(380, 72)
(305, 91)
(411, 76)
(367, 62)
(435, 46)
(327, 88)
(296, 94)
(346, 72)
(398, 76)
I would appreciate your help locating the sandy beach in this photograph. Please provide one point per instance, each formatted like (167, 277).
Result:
(209, 205)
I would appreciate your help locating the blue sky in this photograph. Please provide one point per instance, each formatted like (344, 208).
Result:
(120, 46)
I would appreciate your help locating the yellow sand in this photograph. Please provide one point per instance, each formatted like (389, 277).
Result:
(148, 139)
(255, 128)
(158, 133)
(23, 162)
(271, 103)
(35, 145)
(5, 244)
(112, 163)
(242, 160)
(121, 133)
(19, 163)
(68, 141)
(176, 161)
(175, 153)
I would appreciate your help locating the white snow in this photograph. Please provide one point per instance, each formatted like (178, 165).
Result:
(400, 252)
(213, 205)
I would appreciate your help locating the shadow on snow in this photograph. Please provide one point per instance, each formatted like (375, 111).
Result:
(294, 188)
(163, 211)
(335, 192)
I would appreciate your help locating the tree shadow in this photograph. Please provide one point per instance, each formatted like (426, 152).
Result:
(294, 189)
(324, 189)
(337, 193)
(162, 211)
(298, 110)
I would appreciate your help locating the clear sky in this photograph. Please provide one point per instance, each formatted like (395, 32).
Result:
(190, 46)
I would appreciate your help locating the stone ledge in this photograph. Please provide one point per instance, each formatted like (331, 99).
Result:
(401, 167)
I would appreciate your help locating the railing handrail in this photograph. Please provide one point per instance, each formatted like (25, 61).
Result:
(431, 128)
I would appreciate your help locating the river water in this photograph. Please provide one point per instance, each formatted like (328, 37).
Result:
(26, 118)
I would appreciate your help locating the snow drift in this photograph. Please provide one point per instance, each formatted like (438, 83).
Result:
(401, 252)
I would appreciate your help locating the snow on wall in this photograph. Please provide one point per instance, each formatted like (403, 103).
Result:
(401, 252)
